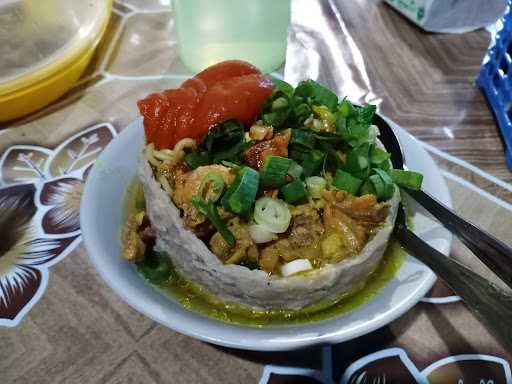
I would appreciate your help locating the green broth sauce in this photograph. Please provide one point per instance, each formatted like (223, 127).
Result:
(195, 298)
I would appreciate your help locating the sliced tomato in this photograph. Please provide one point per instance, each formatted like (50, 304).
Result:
(229, 90)
(226, 70)
(153, 108)
(235, 98)
(196, 84)
(186, 102)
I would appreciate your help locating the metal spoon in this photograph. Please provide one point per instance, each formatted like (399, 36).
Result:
(489, 303)
(492, 252)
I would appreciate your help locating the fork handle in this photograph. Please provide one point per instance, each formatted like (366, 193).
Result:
(490, 304)
(492, 252)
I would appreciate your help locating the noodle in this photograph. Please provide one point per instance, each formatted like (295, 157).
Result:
(149, 155)
(167, 158)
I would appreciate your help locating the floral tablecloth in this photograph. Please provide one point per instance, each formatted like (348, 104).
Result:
(59, 323)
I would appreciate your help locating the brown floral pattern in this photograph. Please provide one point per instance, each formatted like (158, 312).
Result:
(40, 191)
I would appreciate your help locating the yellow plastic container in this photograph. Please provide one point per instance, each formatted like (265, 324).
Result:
(46, 47)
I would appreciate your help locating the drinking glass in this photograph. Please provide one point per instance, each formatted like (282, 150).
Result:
(210, 31)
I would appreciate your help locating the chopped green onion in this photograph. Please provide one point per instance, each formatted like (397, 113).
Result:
(302, 112)
(320, 94)
(341, 125)
(387, 185)
(241, 194)
(275, 118)
(346, 182)
(312, 162)
(273, 214)
(407, 179)
(378, 156)
(367, 188)
(232, 153)
(294, 192)
(283, 86)
(260, 234)
(332, 160)
(345, 108)
(295, 170)
(197, 159)
(315, 186)
(302, 138)
(279, 103)
(378, 186)
(296, 153)
(209, 210)
(211, 187)
(357, 162)
(275, 170)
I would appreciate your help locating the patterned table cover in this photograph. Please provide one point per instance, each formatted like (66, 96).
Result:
(60, 323)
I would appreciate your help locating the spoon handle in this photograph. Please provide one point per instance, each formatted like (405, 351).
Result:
(492, 252)
(490, 304)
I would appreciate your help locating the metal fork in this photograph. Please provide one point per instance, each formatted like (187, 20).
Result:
(489, 303)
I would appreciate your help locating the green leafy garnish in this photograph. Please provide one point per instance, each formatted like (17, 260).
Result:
(207, 209)
(197, 159)
(346, 182)
(357, 162)
(353, 123)
(275, 171)
(294, 192)
(156, 267)
(312, 162)
(224, 142)
(407, 179)
(212, 186)
(242, 192)
(382, 184)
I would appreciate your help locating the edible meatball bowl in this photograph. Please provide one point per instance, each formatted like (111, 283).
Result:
(102, 215)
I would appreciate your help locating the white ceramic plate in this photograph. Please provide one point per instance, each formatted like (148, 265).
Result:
(101, 221)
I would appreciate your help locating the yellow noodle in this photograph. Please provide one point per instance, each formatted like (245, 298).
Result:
(167, 158)
(160, 155)
(185, 144)
(179, 149)
(149, 155)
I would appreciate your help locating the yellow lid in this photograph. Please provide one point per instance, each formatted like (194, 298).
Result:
(45, 39)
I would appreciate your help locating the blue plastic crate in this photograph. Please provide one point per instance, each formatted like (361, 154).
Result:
(495, 79)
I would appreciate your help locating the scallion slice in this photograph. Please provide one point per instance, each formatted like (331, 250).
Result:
(241, 194)
(407, 179)
(312, 162)
(208, 209)
(273, 214)
(303, 138)
(315, 186)
(295, 170)
(275, 171)
(346, 182)
(294, 192)
(211, 187)
(387, 187)
(357, 162)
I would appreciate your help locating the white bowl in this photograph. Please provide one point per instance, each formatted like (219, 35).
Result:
(101, 222)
